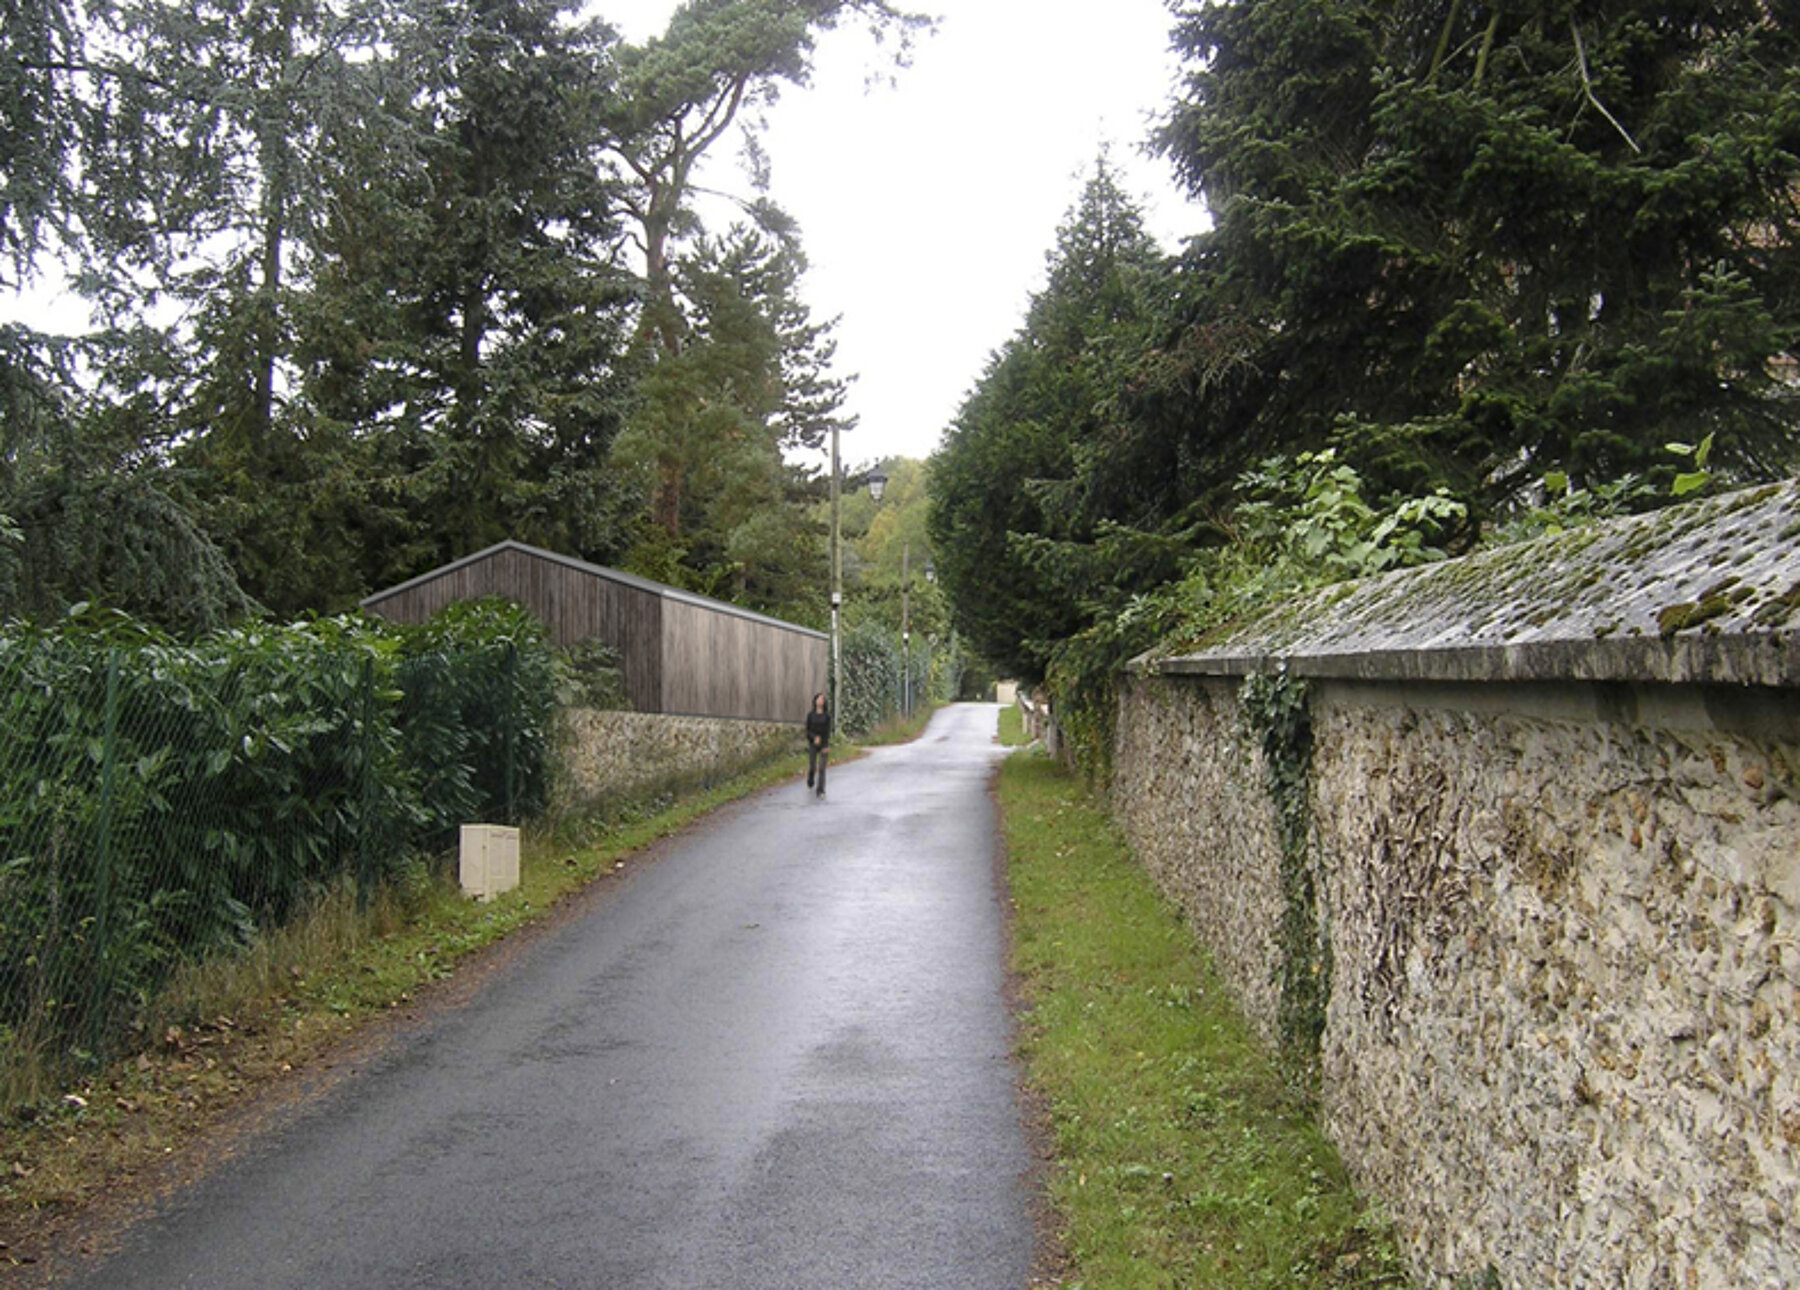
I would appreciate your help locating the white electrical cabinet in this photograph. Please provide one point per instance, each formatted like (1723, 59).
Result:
(490, 860)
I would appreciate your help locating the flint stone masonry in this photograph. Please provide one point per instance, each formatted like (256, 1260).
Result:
(612, 757)
(1560, 898)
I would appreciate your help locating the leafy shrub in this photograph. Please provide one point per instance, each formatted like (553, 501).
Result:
(592, 676)
(162, 801)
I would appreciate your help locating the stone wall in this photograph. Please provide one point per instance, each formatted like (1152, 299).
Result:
(1563, 1031)
(611, 757)
(1188, 786)
(1559, 916)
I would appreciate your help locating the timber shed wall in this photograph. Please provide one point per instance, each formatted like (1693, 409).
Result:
(748, 667)
(680, 653)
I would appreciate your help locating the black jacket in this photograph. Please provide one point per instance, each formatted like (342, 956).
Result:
(818, 728)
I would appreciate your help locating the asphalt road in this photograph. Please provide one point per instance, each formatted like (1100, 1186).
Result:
(778, 1057)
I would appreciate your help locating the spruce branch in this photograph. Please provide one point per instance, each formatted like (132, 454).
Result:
(1587, 88)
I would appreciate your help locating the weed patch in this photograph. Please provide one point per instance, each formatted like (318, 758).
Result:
(1182, 1156)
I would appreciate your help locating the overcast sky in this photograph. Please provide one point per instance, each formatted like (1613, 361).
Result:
(927, 205)
(928, 196)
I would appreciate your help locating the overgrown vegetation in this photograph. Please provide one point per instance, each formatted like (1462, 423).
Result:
(1275, 705)
(1183, 1156)
(879, 675)
(167, 802)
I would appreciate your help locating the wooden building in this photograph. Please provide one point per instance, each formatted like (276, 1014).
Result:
(682, 654)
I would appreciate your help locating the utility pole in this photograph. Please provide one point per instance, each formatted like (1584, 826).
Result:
(837, 581)
(905, 629)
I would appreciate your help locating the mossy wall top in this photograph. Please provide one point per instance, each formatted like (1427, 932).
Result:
(1707, 592)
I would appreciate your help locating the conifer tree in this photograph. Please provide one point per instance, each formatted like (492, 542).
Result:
(1476, 243)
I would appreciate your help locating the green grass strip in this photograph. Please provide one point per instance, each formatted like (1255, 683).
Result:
(1181, 1159)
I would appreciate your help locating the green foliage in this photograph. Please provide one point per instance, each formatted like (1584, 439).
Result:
(164, 802)
(745, 380)
(1300, 522)
(119, 541)
(876, 669)
(1040, 467)
(1311, 510)
(1506, 241)
(1692, 481)
(483, 672)
(399, 236)
(591, 675)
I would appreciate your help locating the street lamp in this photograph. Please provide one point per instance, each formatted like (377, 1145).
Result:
(905, 630)
(877, 483)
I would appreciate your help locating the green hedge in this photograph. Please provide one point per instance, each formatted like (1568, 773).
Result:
(871, 689)
(162, 801)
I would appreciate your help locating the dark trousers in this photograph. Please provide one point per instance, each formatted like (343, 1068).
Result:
(816, 756)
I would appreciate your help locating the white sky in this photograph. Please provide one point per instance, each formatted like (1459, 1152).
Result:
(927, 205)
(927, 197)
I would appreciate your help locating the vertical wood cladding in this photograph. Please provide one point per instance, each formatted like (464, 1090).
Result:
(679, 653)
(722, 664)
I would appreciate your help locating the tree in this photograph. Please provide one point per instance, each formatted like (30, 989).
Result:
(458, 347)
(365, 291)
(1479, 243)
(472, 257)
(1040, 464)
(747, 379)
(891, 546)
(85, 517)
(680, 94)
(718, 62)
(41, 52)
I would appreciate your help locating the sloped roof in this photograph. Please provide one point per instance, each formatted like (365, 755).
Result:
(596, 570)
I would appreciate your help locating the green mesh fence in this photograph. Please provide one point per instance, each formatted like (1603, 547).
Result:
(161, 802)
(875, 675)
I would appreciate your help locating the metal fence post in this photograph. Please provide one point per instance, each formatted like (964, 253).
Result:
(103, 858)
(365, 821)
(511, 733)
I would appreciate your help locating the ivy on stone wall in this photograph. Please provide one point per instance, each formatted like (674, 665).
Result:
(1275, 706)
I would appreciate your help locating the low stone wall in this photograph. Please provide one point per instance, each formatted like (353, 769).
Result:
(1557, 918)
(612, 757)
(1188, 789)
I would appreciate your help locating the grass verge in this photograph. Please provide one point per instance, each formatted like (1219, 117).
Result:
(897, 729)
(231, 1029)
(1012, 727)
(1180, 1158)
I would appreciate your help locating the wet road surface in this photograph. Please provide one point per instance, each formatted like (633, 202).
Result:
(778, 1057)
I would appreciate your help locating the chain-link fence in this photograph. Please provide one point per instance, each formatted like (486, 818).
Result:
(162, 802)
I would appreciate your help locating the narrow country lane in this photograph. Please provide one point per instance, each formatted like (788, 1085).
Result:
(780, 1057)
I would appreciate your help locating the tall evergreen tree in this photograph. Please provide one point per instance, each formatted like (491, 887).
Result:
(1045, 500)
(1479, 242)
(748, 378)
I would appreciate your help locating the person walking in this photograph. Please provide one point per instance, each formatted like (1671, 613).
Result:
(818, 740)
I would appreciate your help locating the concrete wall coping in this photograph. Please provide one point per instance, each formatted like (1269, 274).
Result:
(1703, 593)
